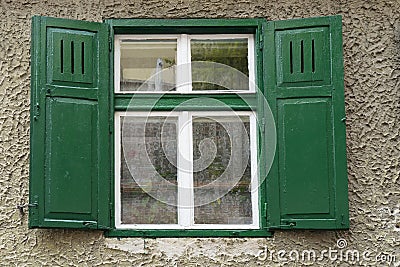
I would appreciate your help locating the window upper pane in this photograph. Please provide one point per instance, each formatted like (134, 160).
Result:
(145, 65)
(232, 69)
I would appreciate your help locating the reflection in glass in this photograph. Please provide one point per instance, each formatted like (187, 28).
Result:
(230, 52)
(226, 139)
(147, 152)
(145, 65)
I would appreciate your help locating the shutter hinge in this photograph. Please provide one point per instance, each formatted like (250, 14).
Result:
(109, 42)
(265, 209)
(29, 205)
(288, 225)
(36, 112)
(110, 127)
(261, 42)
(263, 126)
(111, 208)
(91, 225)
(33, 211)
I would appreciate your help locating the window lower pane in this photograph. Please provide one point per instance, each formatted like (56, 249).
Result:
(222, 170)
(148, 170)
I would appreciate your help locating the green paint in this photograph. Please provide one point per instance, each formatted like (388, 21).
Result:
(305, 155)
(190, 26)
(307, 185)
(303, 57)
(71, 158)
(71, 52)
(69, 171)
(185, 102)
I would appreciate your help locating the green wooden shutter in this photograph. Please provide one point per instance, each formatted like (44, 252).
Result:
(303, 64)
(69, 156)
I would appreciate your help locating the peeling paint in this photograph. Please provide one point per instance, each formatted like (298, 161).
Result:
(371, 34)
(133, 246)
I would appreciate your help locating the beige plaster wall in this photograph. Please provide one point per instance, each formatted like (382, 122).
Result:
(372, 86)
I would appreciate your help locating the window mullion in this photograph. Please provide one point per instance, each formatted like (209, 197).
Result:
(251, 62)
(183, 70)
(254, 171)
(117, 65)
(185, 170)
(117, 165)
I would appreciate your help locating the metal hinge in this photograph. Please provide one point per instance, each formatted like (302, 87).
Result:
(109, 41)
(263, 125)
(29, 205)
(343, 221)
(90, 224)
(288, 225)
(111, 208)
(265, 209)
(110, 127)
(261, 43)
(36, 112)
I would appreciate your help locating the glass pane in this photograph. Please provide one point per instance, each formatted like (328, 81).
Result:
(231, 72)
(146, 65)
(148, 159)
(221, 170)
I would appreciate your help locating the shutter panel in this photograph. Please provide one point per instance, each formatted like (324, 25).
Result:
(70, 159)
(307, 184)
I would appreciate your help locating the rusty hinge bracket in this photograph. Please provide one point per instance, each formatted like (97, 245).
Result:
(29, 205)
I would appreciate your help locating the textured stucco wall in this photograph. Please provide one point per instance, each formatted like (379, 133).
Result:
(372, 85)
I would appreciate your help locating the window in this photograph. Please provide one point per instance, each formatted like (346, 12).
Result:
(185, 169)
(188, 127)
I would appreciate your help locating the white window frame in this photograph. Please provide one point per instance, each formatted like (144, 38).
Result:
(184, 57)
(185, 179)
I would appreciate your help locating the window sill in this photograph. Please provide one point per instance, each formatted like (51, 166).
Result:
(188, 233)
